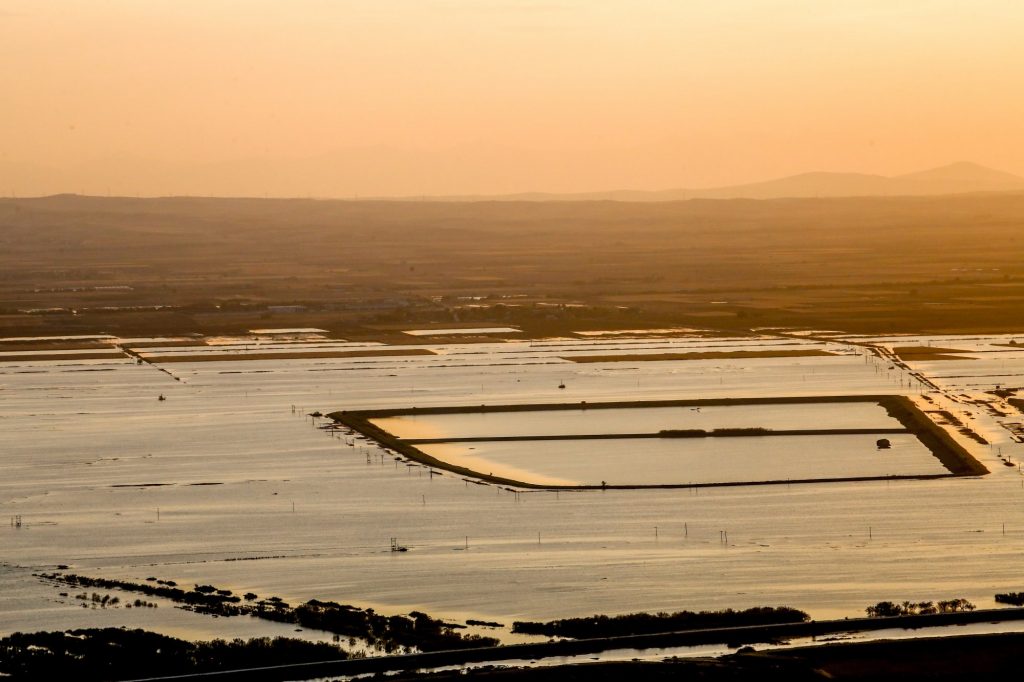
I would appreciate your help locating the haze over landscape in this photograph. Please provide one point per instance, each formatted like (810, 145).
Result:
(467, 97)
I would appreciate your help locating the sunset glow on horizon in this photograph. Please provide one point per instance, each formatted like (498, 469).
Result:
(409, 97)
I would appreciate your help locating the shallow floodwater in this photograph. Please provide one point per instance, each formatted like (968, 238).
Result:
(228, 482)
(685, 461)
(854, 415)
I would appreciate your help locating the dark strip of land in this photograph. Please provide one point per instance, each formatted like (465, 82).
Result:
(951, 657)
(37, 357)
(285, 355)
(688, 433)
(734, 636)
(926, 353)
(706, 355)
(44, 347)
(176, 343)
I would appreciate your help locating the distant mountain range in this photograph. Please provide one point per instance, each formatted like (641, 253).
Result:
(339, 175)
(956, 178)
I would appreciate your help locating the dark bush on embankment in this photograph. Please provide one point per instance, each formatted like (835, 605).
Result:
(647, 623)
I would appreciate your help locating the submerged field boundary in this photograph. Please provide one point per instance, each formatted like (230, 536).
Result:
(951, 454)
(687, 433)
(157, 359)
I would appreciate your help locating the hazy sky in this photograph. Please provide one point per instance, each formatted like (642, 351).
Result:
(347, 97)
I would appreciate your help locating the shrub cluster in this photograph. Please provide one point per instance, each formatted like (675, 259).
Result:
(117, 653)
(648, 623)
(1012, 598)
(888, 609)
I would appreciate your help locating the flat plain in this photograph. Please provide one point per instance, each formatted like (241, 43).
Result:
(110, 305)
(229, 481)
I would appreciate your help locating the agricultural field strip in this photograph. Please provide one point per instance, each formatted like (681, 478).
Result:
(380, 366)
(288, 355)
(451, 331)
(422, 360)
(649, 350)
(699, 355)
(668, 331)
(366, 365)
(667, 434)
(927, 339)
(240, 350)
(254, 347)
(624, 344)
(448, 352)
(634, 463)
(41, 363)
(640, 419)
(253, 344)
(70, 351)
(47, 357)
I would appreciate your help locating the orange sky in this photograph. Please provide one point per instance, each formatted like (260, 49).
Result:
(406, 97)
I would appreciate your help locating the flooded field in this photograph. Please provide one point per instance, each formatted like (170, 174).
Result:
(227, 481)
(692, 460)
(854, 415)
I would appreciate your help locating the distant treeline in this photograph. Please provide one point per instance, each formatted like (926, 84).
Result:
(646, 623)
(417, 631)
(1012, 598)
(701, 433)
(116, 653)
(888, 609)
